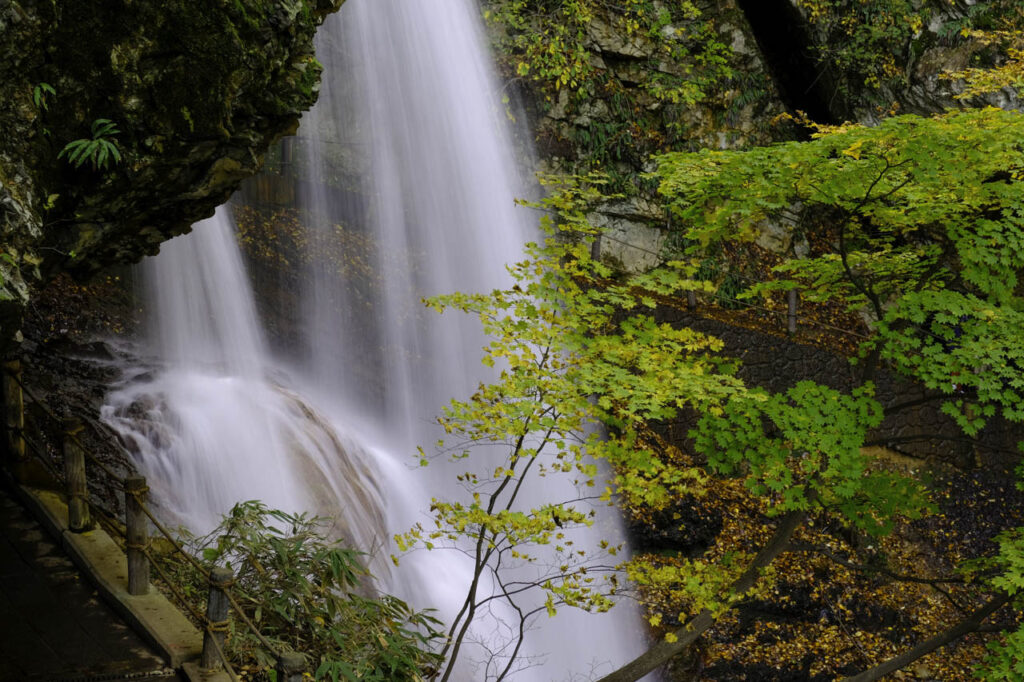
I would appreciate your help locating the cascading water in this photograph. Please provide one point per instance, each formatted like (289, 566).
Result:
(209, 425)
(408, 95)
(410, 91)
(411, 84)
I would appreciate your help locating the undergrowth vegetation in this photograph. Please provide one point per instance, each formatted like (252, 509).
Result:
(623, 81)
(311, 594)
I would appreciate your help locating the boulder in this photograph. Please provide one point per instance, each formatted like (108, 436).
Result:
(631, 234)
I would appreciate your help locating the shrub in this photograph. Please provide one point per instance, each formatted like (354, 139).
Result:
(308, 593)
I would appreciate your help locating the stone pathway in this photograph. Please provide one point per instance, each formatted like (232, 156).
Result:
(53, 625)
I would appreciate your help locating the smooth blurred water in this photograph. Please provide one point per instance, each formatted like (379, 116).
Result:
(214, 423)
(410, 100)
(411, 83)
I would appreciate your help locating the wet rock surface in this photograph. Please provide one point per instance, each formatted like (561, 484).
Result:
(68, 365)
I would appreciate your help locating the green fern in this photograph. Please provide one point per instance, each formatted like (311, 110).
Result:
(100, 150)
(40, 93)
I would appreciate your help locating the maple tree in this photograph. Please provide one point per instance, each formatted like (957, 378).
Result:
(547, 331)
(925, 222)
(924, 218)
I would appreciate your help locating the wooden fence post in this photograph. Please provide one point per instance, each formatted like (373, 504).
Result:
(287, 155)
(74, 478)
(14, 411)
(290, 666)
(216, 618)
(791, 316)
(137, 534)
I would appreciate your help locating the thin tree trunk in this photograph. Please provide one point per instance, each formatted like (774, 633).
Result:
(660, 653)
(966, 626)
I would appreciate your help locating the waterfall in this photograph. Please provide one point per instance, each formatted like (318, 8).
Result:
(331, 426)
(407, 81)
(211, 424)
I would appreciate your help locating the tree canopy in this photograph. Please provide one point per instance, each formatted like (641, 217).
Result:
(923, 222)
(922, 226)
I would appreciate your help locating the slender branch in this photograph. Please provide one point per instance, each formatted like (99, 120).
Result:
(934, 583)
(867, 195)
(660, 653)
(864, 287)
(522, 476)
(970, 624)
(464, 618)
(872, 569)
(846, 631)
(466, 614)
(854, 280)
(522, 628)
(897, 188)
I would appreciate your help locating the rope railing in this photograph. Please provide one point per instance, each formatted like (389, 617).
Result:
(73, 436)
(215, 623)
(178, 547)
(43, 458)
(210, 629)
(50, 466)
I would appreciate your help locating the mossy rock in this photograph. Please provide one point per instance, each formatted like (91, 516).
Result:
(197, 93)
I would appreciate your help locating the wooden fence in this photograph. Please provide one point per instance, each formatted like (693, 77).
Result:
(24, 455)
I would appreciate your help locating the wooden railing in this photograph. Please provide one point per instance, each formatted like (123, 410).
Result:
(138, 518)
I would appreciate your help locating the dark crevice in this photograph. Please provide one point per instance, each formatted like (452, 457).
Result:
(786, 46)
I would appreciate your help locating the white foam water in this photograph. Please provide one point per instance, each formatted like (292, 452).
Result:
(214, 423)
(408, 90)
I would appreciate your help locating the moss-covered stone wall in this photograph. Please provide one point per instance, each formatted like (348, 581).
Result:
(608, 84)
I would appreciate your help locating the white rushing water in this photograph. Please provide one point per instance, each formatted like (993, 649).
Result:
(409, 96)
(213, 425)
(410, 83)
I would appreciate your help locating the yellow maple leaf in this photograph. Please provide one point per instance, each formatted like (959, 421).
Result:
(853, 151)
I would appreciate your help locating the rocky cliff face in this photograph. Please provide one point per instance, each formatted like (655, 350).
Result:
(193, 92)
(893, 52)
(606, 86)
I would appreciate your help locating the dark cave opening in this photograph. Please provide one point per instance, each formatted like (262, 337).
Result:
(786, 45)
